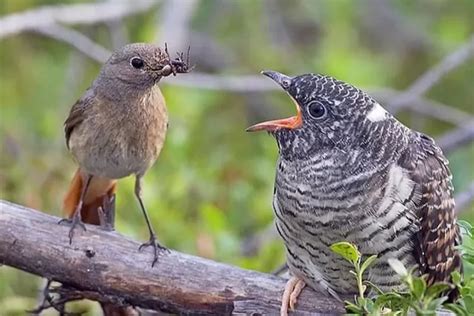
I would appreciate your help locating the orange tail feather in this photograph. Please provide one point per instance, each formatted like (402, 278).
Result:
(99, 188)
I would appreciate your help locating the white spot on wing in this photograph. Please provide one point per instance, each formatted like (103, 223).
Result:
(377, 113)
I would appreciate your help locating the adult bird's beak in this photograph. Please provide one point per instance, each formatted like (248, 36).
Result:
(287, 123)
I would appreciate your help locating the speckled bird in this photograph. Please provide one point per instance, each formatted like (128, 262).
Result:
(349, 171)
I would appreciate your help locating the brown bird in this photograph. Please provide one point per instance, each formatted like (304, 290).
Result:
(349, 171)
(116, 129)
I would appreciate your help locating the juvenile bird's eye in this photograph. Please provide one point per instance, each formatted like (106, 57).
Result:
(136, 62)
(316, 109)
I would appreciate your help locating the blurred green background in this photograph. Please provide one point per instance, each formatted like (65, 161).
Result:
(210, 192)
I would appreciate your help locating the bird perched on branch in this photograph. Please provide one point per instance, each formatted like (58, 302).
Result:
(349, 171)
(116, 129)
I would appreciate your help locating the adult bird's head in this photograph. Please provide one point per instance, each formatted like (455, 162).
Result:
(329, 114)
(138, 67)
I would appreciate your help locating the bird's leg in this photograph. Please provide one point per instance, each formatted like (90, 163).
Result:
(107, 212)
(152, 241)
(293, 288)
(45, 299)
(76, 220)
(57, 302)
(281, 269)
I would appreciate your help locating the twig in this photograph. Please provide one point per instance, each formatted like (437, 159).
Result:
(251, 245)
(77, 40)
(457, 138)
(174, 22)
(424, 106)
(434, 75)
(390, 30)
(70, 14)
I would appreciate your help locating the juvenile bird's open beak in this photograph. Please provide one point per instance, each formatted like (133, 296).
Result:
(288, 123)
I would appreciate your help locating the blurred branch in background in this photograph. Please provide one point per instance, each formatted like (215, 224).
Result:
(117, 29)
(434, 75)
(77, 40)
(174, 23)
(457, 138)
(425, 106)
(71, 14)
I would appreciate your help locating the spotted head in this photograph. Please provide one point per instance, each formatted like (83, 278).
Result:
(329, 114)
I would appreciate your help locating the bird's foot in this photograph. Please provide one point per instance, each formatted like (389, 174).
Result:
(73, 222)
(293, 288)
(52, 299)
(156, 248)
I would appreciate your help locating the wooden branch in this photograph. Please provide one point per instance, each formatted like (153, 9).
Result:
(108, 267)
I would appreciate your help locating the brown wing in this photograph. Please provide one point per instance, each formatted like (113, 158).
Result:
(436, 241)
(77, 114)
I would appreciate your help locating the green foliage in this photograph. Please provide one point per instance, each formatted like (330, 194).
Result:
(414, 297)
(467, 247)
(465, 305)
(350, 252)
(347, 250)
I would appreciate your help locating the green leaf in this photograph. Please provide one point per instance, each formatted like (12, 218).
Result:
(469, 302)
(436, 289)
(466, 227)
(386, 297)
(465, 291)
(353, 308)
(456, 276)
(367, 263)
(369, 305)
(418, 288)
(459, 310)
(436, 303)
(347, 250)
(391, 297)
(469, 258)
(398, 267)
(374, 287)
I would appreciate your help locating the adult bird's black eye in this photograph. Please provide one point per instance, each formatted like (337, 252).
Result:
(316, 109)
(137, 62)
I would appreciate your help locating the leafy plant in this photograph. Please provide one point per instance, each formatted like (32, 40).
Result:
(466, 300)
(350, 252)
(465, 304)
(418, 298)
(467, 247)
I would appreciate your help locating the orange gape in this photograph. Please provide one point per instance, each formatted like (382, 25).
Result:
(99, 188)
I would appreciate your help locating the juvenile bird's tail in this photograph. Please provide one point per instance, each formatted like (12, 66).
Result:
(99, 190)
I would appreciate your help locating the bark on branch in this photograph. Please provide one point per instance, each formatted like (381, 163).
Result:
(106, 266)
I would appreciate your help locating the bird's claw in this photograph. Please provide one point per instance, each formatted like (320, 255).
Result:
(156, 248)
(49, 301)
(293, 288)
(73, 222)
